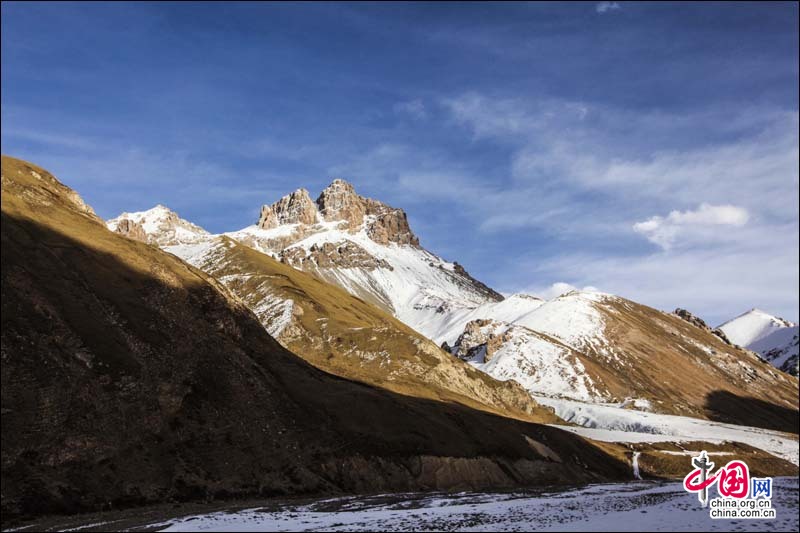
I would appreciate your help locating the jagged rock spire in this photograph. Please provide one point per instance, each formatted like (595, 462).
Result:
(294, 208)
(340, 202)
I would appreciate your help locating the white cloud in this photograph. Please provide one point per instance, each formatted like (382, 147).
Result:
(579, 176)
(716, 284)
(561, 151)
(604, 7)
(664, 231)
(583, 175)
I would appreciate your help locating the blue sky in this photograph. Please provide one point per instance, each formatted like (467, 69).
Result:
(650, 150)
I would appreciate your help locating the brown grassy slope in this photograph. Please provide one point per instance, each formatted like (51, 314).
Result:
(344, 335)
(664, 361)
(130, 377)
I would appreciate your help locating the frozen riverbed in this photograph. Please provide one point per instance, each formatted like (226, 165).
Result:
(641, 506)
(635, 506)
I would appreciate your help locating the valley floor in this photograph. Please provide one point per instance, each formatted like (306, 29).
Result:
(636, 506)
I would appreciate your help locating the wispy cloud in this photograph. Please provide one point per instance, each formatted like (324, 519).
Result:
(593, 176)
(604, 7)
(715, 283)
(51, 139)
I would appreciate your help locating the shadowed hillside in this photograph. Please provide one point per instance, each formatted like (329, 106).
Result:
(344, 335)
(130, 377)
(724, 406)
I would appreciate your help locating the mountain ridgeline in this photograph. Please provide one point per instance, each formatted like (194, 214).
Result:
(585, 346)
(129, 376)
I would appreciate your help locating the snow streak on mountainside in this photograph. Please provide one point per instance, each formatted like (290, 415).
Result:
(619, 423)
(775, 339)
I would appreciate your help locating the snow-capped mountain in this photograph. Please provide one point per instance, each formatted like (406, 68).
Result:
(347, 336)
(360, 244)
(324, 324)
(368, 248)
(775, 339)
(585, 346)
(600, 348)
(158, 225)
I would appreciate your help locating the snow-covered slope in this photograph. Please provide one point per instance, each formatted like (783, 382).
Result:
(596, 347)
(367, 248)
(346, 336)
(613, 423)
(752, 326)
(775, 339)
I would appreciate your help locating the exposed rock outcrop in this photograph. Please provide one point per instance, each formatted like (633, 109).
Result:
(268, 219)
(345, 254)
(691, 318)
(339, 201)
(132, 230)
(479, 285)
(480, 337)
(294, 208)
(700, 323)
(384, 224)
(388, 224)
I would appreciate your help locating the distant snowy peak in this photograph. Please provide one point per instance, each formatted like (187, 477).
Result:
(752, 326)
(158, 225)
(773, 338)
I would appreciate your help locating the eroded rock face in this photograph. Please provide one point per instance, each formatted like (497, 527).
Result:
(339, 201)
(480, 335)
(387, 224)
(384, 224)
(132, 230)
(345, 254)
(294, 208)
(268, 219)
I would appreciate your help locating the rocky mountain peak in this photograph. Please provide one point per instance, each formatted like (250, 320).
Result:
(339, 201)
(158, 225)
(294, 208)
